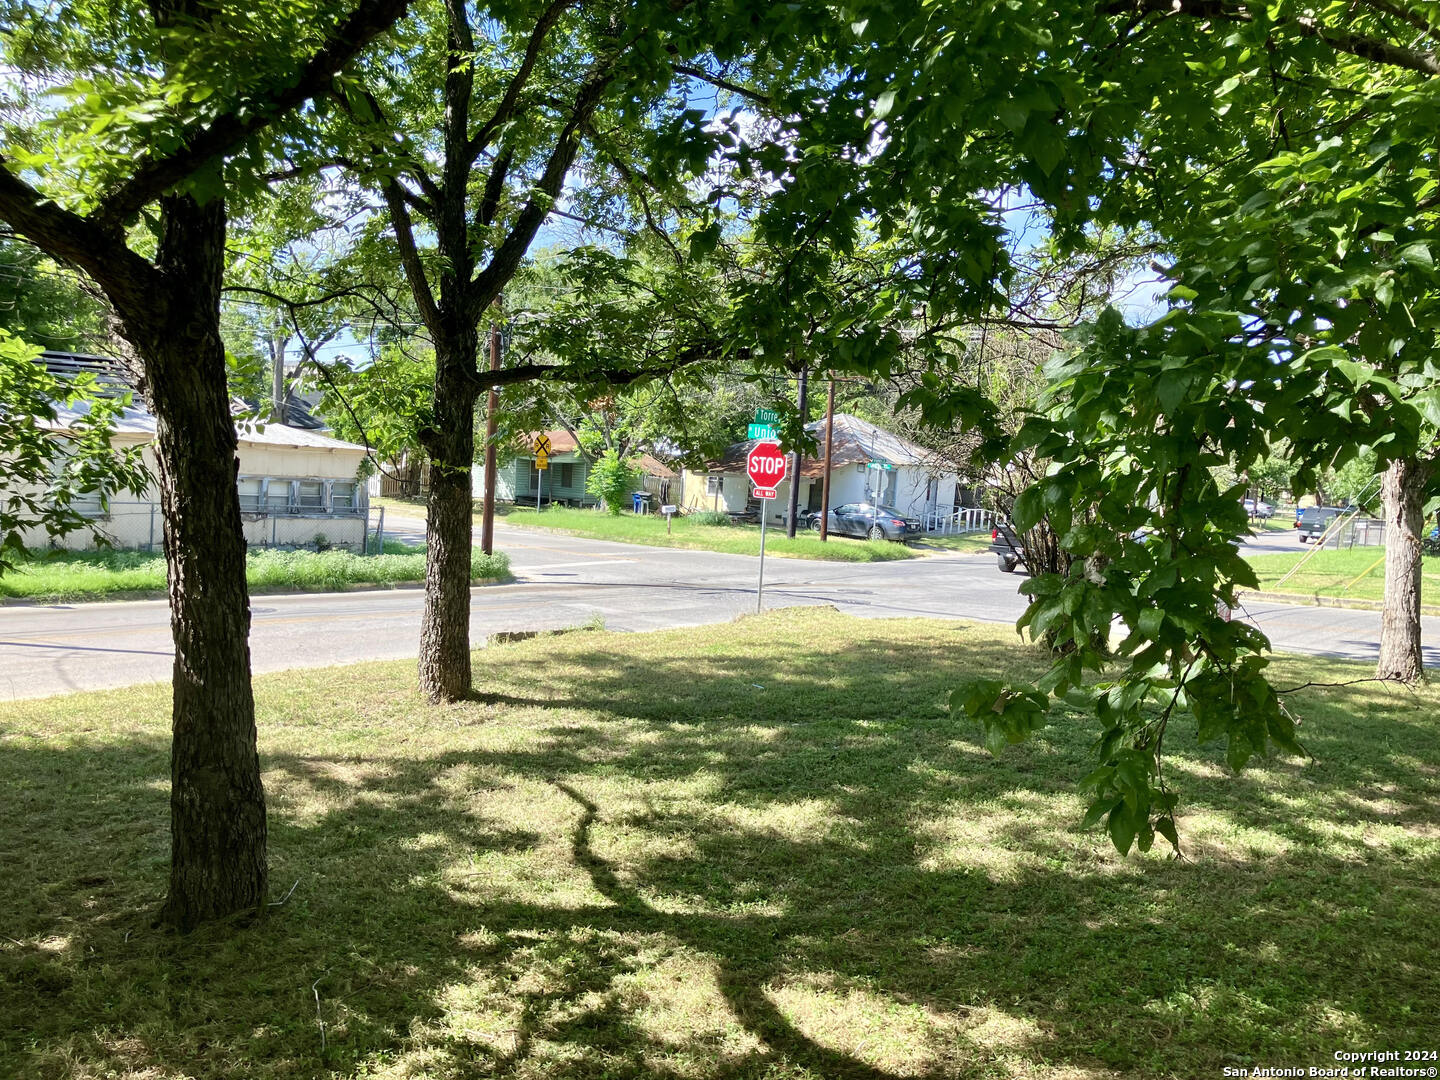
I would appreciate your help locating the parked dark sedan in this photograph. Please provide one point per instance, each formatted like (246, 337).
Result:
(863, 519)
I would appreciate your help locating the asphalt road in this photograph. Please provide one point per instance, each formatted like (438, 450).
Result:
(567, 581)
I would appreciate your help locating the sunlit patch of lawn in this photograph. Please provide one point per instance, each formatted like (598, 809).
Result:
(686, 532)
(756, 850)
(1355, 573)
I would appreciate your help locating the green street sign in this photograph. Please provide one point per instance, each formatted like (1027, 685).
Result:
(879, 465)
(765, 416)
(761, 431)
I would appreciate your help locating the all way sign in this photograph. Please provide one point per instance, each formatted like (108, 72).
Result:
(765, 465)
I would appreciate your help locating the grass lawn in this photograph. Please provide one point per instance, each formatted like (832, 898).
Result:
(109, 575)
(972, 543)
(760, 850)
(397, 504)
(1280, 521)
(1328, 573)
(686, 533)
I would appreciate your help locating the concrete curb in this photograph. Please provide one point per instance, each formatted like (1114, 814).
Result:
(1311, 600)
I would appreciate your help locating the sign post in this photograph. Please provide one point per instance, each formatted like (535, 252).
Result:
(878, 467)
(765, 466)
(542, 462)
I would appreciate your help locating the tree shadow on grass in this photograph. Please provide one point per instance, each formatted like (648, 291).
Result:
(699, 863)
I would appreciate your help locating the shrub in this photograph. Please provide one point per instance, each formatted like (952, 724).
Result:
(611, 480)
(710, 517)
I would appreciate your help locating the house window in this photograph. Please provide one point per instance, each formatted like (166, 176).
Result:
(534, 477)
(342, 497)
(312, 495)
(567, 474)
(714, 485)
(250, 497)
(277, 495)
(88, 504)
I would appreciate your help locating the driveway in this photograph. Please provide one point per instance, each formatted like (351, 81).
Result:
(567, 581)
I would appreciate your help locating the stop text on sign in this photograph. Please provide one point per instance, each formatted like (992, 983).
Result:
(765, 464)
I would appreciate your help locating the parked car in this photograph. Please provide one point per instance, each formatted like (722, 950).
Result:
(863, 519)
(1006, 545)
(1260, 509)
(1314, 520)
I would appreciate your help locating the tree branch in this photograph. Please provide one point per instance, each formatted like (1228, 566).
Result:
(487, 284)
(721, 83)
(1368, 48)
(1359, 45)
(414, 163)
(98, 251)
(459, 89)
(410, 257)
(155, 175)
(1406, 15)
(548, 18)
(495, 187)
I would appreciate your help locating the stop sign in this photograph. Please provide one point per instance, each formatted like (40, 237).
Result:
(765, 465)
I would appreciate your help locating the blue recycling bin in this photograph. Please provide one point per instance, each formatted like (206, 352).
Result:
(637, 501)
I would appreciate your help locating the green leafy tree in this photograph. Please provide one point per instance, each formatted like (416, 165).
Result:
(383, 405)
(471, 160)
(611, 479)
(50, 472)
(1283, 156)
(45, 304)
(120, 166)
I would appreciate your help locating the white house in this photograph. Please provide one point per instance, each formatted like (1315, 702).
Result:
(916, 483)
(296, 485)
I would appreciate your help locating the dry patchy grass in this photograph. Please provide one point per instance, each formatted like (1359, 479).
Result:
(763, 850)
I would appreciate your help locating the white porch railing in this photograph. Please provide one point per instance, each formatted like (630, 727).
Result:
(967, 520)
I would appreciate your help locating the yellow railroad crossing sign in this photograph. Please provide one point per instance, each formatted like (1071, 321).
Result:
(542, 460)
(542, 445)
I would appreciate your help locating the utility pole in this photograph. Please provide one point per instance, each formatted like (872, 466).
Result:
(801, 403)
(492, 406)
(829, 453)
(277, 374)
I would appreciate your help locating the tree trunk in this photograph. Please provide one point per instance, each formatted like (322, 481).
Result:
(217, 801)
(445, 624)
(1403, 492)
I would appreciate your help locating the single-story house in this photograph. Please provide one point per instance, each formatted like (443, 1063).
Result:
(519, 481)
(916, 483)
(297, 486)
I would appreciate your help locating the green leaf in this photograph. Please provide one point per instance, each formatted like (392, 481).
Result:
(1098, 810)
(1418, 254)
(1165, 826)
(1122, 829)
(1028, 509)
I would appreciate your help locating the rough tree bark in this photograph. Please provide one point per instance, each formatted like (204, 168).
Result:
(217, 801)
(1402, 492)
(445, 624)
